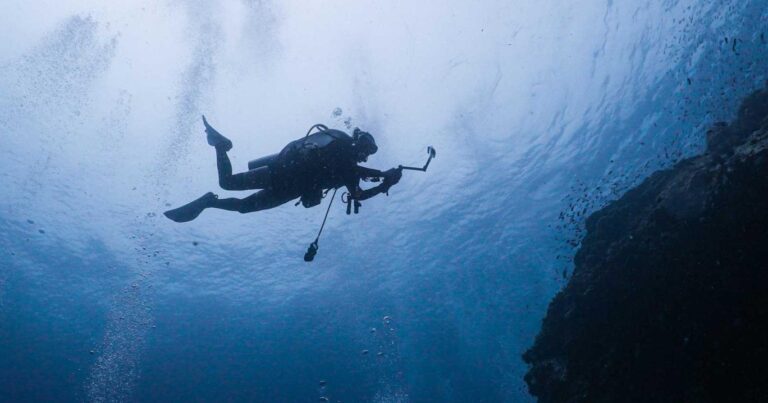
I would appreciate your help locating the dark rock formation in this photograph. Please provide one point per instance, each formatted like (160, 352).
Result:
(669, 296)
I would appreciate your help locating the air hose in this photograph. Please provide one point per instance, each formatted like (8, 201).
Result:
(322, 127)
(312, 250)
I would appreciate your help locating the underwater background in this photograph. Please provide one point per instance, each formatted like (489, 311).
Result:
(541, 112)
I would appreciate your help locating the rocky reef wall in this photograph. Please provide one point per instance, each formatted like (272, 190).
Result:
(668, 300)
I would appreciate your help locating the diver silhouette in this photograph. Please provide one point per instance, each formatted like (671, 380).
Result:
(305, 169)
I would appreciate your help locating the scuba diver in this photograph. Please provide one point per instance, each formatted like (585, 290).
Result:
(305, 169)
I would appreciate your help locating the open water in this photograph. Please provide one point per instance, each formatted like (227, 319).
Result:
(540, 111)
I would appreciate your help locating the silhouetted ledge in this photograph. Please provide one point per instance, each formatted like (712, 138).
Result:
(668, 300)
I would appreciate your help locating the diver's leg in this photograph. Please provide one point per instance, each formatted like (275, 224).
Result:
(261, 200)
(223, 164)
(255, 179)
(215, 138)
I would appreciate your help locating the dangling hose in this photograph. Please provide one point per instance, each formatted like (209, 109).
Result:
(312, 250)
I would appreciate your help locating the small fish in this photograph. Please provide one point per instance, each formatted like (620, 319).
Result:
(323, 383)
(689, 81)
(364, 352)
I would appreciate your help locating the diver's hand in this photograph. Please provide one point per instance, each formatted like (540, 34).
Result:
(391, 178)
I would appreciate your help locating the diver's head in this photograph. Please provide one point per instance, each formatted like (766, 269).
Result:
(363, 144)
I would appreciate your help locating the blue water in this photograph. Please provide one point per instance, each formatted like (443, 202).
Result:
(541, 112)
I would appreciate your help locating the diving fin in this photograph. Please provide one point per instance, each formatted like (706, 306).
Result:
(191, 210)
(215, 138)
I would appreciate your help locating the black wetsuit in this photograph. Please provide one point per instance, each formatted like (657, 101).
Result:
(324, 160)
(304, 168)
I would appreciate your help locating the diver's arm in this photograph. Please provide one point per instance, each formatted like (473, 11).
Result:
(357, 193)
(364, 172)
(360, 194)
(391, 177)
(352, 181)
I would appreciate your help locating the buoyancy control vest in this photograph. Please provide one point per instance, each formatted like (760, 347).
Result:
(301, 166)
